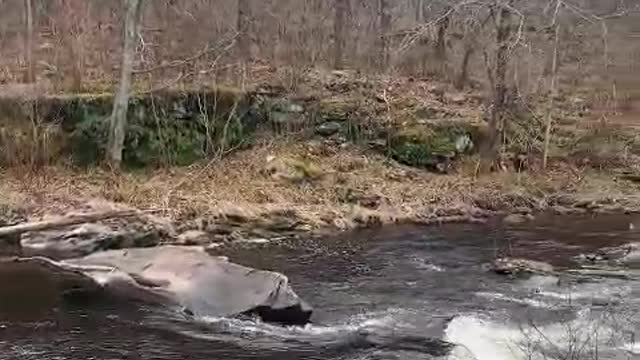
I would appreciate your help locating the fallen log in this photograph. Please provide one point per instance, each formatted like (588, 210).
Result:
(65, 221)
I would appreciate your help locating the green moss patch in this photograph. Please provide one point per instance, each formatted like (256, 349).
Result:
(428, 146)
(164, 128)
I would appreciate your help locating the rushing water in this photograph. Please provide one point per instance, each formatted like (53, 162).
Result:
(397, 293)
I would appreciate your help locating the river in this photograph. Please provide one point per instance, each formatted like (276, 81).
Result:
(393, 293)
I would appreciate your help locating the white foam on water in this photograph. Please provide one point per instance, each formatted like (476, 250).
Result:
(432, 267)
(483, 340)
(425, 264)
(633, 349)
(488, 339)
(539, 281)
(588, 293)
(369, 321)
(523, 301)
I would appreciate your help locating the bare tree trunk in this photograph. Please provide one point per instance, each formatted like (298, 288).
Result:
(72, 31)
(420, 8)
(244, 41)
(339, 32)
(441, 44)
(121, 102)
(552, 90)
(384, 18)
(30, 75)
(503, 31)
(463, 76)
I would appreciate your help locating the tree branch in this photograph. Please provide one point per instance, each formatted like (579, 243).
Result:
(199, 55)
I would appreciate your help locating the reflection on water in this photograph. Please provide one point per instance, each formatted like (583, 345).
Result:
(399, 293)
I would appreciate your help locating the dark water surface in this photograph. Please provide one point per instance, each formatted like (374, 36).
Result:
(394, 293)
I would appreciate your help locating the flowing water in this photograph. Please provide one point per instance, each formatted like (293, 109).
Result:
(396, 293)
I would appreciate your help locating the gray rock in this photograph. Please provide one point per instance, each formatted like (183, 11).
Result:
(514, 219)
(83, 240)
(193, 237)
(427, 112)
(627, 256)
(295, 108)
(328, 128)
(182, 277)
(562, 210)
(10, 245)
(632, 257)
(514, 266)
(522, 210)
(457, 99)
(463, 144)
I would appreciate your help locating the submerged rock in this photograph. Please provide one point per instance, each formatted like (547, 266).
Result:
(627, 255)
(183, 277)
(514, 266)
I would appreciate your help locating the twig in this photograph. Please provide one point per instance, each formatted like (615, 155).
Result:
(177, 63)
(421, 30)
(183, 75)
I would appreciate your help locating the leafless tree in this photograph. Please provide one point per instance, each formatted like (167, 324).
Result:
(30, 74)
(384, 19)
(118, 122)
(497, 73)
(244, 39)
(440, 45)
(339, 32)
(552, 86)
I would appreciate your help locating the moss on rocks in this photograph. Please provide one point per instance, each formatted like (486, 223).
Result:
(169, 127)
(432, 146)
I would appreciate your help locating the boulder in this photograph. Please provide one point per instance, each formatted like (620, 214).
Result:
(456, 99)
(632, 258)
(514, 219)
(182, 277)
(83, 240)
(10, 244)
(627, 255)
(515, 266)
(328, 128)
(193, 237)
(294, 170)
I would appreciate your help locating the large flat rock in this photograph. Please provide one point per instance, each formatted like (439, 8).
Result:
(183, 277)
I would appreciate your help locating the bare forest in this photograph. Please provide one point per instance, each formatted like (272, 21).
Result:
(512, 50)
(77, 45)
(545, 89)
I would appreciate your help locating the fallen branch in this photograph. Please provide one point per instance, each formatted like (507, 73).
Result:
(68, 220)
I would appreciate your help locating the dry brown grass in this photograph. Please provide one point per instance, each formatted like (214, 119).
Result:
(239, 181)
(29, 142)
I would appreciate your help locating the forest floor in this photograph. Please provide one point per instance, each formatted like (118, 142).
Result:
(259, 193)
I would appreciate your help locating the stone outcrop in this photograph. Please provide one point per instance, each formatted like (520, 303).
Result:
(515, 266)
(185, 278)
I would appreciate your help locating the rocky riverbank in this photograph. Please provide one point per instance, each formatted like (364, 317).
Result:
(352, 152)
(234, 201)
